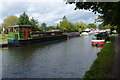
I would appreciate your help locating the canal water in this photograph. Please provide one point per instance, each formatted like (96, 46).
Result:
(59, 59)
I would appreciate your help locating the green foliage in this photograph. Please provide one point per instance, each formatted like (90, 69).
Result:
(92, 25)
(10, 21)
(109, 11)
(80, 26)
(41, 28)
(102, 26)
(51, 28)
(34, 23)
(24, 19)
(64, 18)
(99, 19)
(66, 25)
(1, 28)
(43, 25)
(102, 66)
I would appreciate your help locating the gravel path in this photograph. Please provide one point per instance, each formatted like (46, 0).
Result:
(116, 65)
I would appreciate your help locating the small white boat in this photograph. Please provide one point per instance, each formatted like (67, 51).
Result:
(84, 34)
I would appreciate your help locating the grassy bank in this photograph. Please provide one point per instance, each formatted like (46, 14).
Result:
(102, 66)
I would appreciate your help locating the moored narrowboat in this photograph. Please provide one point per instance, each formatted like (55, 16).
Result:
(100, 39)
(23, 34)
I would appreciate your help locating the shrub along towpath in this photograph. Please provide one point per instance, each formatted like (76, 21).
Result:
(102, 66)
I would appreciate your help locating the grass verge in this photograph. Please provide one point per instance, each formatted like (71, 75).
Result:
(102, 66)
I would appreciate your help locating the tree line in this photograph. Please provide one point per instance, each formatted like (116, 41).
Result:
(109, 12)
(64, 25)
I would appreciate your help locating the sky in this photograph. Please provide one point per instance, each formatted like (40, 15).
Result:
(49, 11)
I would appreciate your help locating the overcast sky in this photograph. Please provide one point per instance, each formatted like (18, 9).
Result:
(50, 12)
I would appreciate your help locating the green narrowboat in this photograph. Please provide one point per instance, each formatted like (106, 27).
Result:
(24, 34)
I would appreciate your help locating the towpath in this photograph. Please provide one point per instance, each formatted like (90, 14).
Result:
(116, 64)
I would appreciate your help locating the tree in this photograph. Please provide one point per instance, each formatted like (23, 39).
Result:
(41, 28)
(109, 11)
(34, 23)
(24, 19)
(43, 25)
(10, 21)
(66, 25)
(80, 26)
(91, 25)
(64, 18)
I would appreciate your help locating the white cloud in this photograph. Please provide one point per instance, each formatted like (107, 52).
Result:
(57, 21)
(31, 9)
(31, 1)
(48, 12)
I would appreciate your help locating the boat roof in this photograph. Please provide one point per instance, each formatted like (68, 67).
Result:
(21, 26)
(42, 32)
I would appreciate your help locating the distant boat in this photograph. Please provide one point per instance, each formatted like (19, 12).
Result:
(100, 39)
(84, 34)
(73, 34)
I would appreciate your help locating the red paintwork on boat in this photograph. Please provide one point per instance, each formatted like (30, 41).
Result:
(94, 42)
(98, 42)
(101, 42)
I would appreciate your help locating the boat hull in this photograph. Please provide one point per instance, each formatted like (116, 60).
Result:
(98, 42)
(14, 43)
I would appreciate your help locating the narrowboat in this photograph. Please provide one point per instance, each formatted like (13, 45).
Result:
(73, 34)
(23, 34)
(100, 39)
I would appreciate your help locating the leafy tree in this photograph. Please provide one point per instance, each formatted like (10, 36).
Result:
(34, 23)
(80, 26)
(76, 26)
(41, 28)
(64, 18)
(109, 11)
(99, 19)
(66, 25)
(10, 21)
(24, 19)
(50, 28)
(112, 28)
(43, 25)
(83, 25)
(92, 25)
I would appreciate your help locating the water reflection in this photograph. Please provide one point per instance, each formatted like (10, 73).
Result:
(63, 59)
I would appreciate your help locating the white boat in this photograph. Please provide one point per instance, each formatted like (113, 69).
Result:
(84, 34)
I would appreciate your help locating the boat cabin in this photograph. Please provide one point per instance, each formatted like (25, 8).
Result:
(45, 34)
(19, 32)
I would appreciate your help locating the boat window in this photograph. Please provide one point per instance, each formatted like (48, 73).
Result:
(20, 29)
(10, 30)
(94, 38)
(15, 29)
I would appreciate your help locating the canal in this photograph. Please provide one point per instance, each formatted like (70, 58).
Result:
(59, 59)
